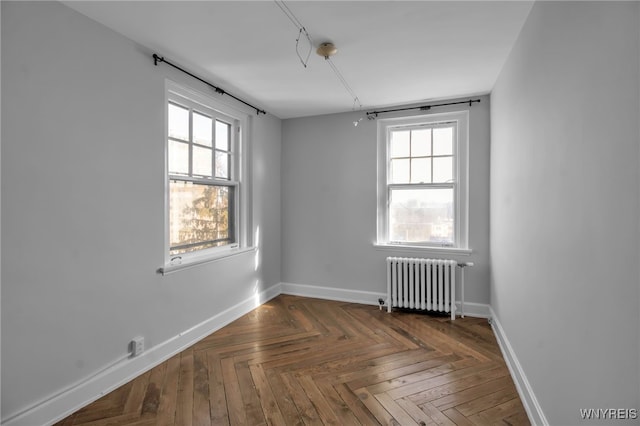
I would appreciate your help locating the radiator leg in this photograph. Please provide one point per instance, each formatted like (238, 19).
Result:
(462, 295)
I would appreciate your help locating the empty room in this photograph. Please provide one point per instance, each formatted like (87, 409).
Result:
(320, 212)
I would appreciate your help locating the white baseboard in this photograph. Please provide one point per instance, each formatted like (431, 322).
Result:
(59, 406)
(478, 310)
(529, 400)
(332, 293)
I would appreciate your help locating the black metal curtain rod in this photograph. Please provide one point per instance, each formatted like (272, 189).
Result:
(373, 114)
(157, 59)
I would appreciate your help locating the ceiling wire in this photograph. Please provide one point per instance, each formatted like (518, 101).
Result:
(335, 69)
(303, 31)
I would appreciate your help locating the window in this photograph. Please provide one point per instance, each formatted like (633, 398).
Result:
(203, 202)
(422, 188)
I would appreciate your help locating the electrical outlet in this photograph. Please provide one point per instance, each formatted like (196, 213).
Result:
(137, 346)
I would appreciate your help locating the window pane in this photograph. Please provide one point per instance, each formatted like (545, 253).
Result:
(202, 131)
(400, 171)
(222, 135)
(222, 165)
(200, 216)
(421, 143)
(421, 170)
(421, 215)
(178, 122)
(178, 158)
(443, 141)
(399, 145)
(442, 169)
(202, 161)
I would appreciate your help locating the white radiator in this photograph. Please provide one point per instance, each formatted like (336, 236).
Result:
(426, 284)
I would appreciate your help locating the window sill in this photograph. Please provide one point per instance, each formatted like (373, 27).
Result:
(195, 261)
(423, 249)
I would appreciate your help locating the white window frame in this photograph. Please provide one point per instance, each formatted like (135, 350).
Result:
(238, 178)
(460, 185)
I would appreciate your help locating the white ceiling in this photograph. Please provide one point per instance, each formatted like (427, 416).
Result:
(389, 52)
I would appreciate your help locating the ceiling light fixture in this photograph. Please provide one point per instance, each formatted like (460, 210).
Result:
(326, 50)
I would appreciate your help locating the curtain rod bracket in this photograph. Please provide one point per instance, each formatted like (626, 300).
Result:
(157, 59)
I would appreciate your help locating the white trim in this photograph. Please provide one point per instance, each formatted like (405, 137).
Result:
(476, 310)
(240, 172)
(59, 406)
(423, 249)
(190, 262)
(332, 293)
(529, 400)
(461, 152)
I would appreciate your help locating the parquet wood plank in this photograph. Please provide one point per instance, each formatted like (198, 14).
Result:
(336, 403)
(123, 419)
(304, 405)
(495, 414)
(451, 397)
(441, 379)
(356, 406)
(301, 361)
(332, 368)
(217, 394)
(201, 408)
(317, 398)
(446, 342)
(287, 407)
(479, 404)
(385, 327)
(184, 409)
(460, 420)
(415, 412)
(135, 397)
(270, 409)
(398, 413)
(151, 400)
(235, 406)
(251, 402)
(452, 388)
(420, 379)
(437, 415)
(373, 405)
(519, 418)
(397, 373)
(169, 395)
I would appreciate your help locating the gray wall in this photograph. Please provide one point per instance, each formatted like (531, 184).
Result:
(329, 203)
(565, 205)
(82, 205)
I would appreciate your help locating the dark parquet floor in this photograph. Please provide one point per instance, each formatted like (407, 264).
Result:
(302, 361)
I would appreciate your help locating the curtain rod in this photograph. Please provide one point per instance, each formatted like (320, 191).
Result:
(373, 114)
(157, 59)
